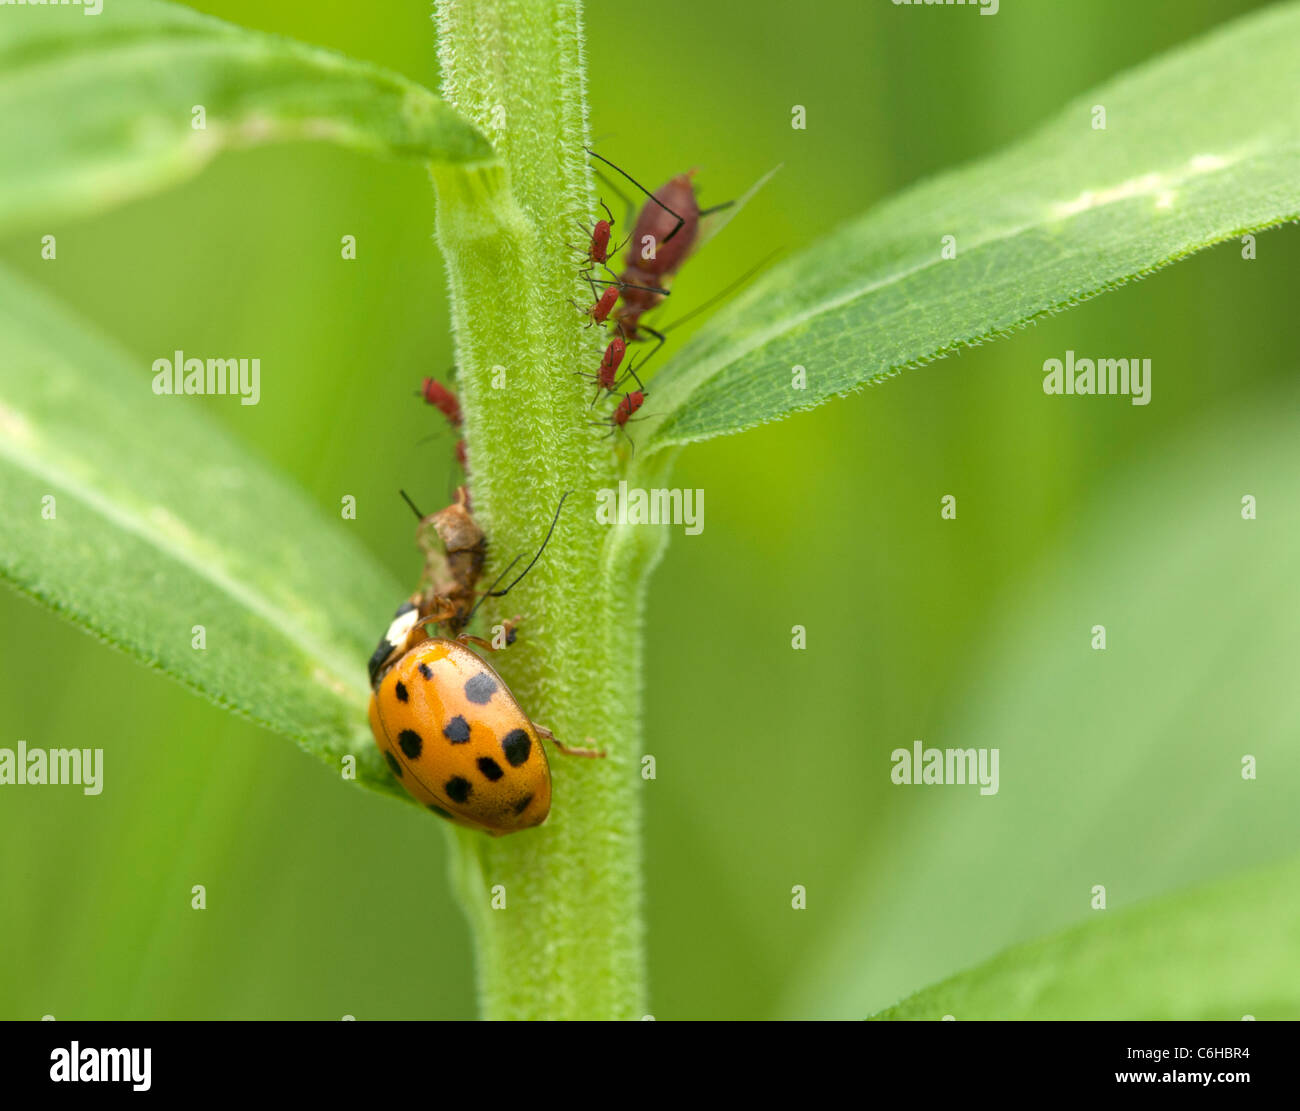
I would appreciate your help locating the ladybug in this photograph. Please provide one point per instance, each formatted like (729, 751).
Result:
(454, 735)
(450, 730)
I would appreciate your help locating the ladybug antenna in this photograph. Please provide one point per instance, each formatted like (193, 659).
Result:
(406, 498)
(492, 591)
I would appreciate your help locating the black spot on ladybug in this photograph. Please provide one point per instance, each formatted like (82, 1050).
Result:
(457, 789)
(516, 746)
(490, 768)
(457, 730)
(411, 743)
(392, 763)
(402, 696)
(426, 671)
(522, 804)
(481, 688)
(439, 811)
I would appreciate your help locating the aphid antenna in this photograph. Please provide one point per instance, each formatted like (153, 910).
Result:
(492, 591)
(680, 219)
(660, 340)
(406, 498)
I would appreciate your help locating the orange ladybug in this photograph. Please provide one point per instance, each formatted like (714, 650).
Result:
(452, 733)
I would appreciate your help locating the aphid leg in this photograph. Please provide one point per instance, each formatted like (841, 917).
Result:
(591, 320)
(631, 372)
(614, 279)
(660, 340)
(569, 750)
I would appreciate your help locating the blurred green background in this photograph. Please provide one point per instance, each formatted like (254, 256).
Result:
(1119, 768)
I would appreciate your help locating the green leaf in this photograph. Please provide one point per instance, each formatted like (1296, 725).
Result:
(98, 109)
(1126, 764)
(1218, 952)
(159, 524)
(1199, 146)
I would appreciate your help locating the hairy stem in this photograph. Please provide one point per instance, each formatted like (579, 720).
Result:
(568, 942)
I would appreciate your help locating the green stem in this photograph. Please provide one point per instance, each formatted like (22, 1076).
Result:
(569, 941)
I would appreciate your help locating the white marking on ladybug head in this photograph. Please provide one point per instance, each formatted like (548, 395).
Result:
(402, 627)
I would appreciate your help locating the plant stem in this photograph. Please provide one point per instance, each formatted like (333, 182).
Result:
(569, 941)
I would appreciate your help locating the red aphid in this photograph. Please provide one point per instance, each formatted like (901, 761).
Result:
(601, 309)
(606, 377)
(629, 404)
(442, 399)
(618, 420)
(598, 249)
(599, 312)
(598, 252)
(609, 363)
(661, 242)
(663, 238)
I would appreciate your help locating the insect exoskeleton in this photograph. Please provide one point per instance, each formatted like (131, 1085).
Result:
(457, 739)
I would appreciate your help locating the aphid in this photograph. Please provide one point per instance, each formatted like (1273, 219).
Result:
(618, 420)
(452, 733)
(446, 402)
(597, 251)
(609, 362)
(662, 239)
(442, 399)
(600, 311)
(606, 377)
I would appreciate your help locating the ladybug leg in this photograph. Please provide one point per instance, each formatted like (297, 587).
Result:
(568, 750)
(508, 627)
